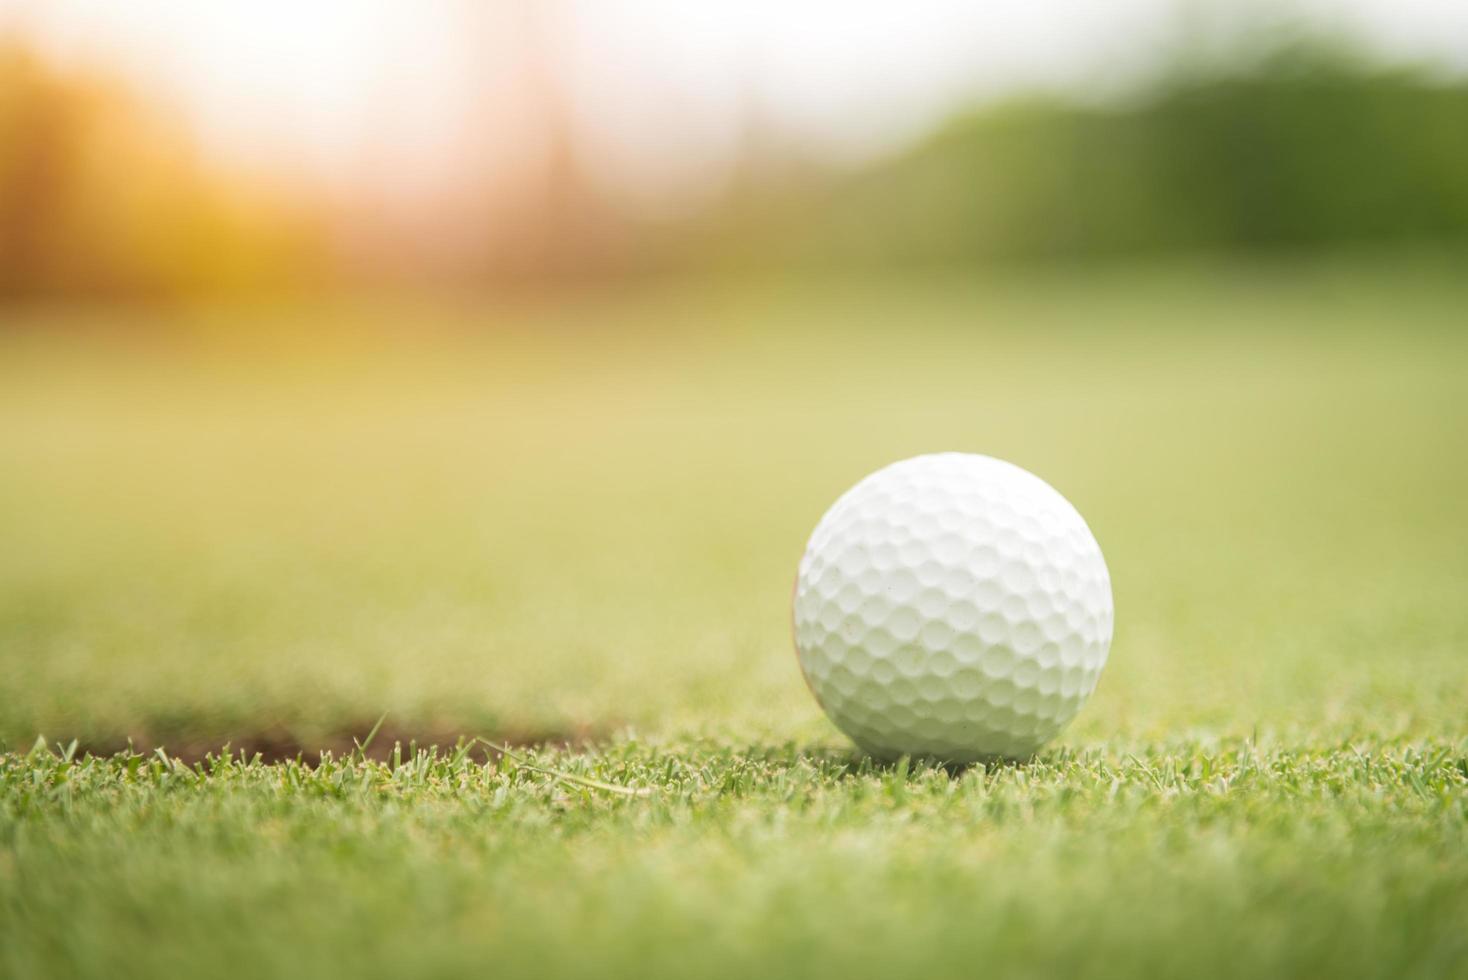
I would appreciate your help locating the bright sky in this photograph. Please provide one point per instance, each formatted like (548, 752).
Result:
(660, 92)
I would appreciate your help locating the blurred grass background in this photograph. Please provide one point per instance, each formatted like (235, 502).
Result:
(529, 529)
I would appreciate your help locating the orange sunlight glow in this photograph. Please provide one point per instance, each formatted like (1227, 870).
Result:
(656, 99)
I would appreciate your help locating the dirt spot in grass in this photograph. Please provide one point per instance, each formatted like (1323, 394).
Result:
(280, 744)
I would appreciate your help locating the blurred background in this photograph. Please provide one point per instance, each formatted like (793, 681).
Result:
(157, 151)
(487, 364)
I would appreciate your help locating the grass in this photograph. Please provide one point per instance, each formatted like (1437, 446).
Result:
(580, 523)
(1223, 858)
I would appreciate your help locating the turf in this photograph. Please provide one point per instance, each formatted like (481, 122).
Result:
(1191, 858)
(578, 523)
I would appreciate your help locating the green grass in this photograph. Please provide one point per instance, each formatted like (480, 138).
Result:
(583, 522)
(1187, 859)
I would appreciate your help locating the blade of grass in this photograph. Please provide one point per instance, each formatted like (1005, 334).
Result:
(362, 745)
(568, 777)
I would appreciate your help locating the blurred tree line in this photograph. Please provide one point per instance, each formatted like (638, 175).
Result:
(1302, 144)
(1306, 145)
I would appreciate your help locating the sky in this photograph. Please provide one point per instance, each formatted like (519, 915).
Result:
(660, 95)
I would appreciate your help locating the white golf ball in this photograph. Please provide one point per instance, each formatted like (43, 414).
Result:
(952, 606)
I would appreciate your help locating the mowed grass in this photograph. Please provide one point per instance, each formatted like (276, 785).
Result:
(1193, 858)
(580, 522)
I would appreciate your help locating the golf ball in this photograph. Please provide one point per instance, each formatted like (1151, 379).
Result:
(952, 606)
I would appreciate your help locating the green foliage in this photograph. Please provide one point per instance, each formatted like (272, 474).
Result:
(1298, 147)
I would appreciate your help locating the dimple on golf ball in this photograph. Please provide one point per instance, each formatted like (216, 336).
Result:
(952, 606)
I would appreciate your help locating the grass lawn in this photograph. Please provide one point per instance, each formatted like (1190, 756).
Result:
(575, 527)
